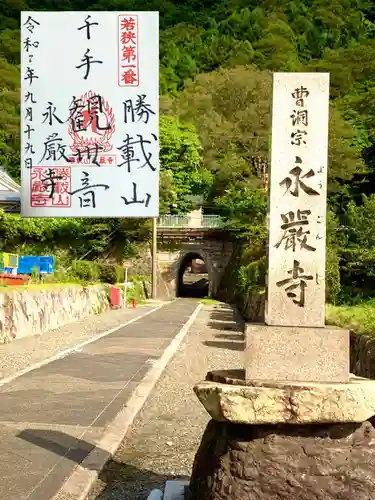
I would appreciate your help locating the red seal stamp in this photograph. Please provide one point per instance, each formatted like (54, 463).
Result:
(50, 187)
(91, 124)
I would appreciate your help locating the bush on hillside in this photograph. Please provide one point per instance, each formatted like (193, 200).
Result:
(107, 273)
(86, 270)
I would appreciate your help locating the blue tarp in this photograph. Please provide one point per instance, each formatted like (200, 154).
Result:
(44, 264)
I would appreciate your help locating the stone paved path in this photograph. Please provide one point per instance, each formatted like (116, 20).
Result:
(162, 442)
(50, 417)
(19, 354)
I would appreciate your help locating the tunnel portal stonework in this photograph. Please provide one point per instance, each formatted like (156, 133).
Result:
(215, 253)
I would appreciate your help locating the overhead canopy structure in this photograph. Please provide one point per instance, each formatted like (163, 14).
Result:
(10, 200)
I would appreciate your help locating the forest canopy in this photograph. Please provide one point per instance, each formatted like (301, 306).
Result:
(216, 64)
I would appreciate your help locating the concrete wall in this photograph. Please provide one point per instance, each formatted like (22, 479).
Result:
(33, 312)
(216, 255)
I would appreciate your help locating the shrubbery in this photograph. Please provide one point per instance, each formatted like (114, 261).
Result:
(107, 273)
(136, 292)
(86, 272)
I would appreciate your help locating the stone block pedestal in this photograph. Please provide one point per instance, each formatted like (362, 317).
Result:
(296, 353)
(292, 441)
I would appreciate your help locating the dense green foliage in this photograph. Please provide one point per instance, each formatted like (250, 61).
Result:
(182, 173)
(216, 60)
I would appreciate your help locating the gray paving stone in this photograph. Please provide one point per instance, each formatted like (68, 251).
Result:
(72, 408)
(121, 399)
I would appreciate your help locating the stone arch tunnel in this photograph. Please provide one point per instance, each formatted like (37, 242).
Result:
(198, 284)
(173, 261)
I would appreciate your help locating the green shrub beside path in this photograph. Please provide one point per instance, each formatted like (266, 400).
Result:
(359, 318)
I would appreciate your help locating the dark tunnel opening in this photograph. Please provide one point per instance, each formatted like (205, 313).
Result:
(192, 277)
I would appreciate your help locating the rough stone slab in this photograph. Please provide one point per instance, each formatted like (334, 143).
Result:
(285, 462)
(295, 403)
(283, 353)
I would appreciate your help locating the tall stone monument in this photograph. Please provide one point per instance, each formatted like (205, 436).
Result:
(293, 424)
(293, 344)
(297, 200)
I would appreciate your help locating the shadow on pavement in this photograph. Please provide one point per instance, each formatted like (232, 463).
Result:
(98, 367)
(225, 326)
(230, 336)
(120, 480)
(232, 346)
(126, 482)
(61, 444)
(226, 319)
(222, 315)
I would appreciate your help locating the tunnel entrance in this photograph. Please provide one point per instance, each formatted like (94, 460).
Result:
(192, 277)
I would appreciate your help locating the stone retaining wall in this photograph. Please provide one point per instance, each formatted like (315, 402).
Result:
(33, 312)
(362, 355)
(252, 308)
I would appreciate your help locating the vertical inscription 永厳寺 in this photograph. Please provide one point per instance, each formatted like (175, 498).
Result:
(295, 293)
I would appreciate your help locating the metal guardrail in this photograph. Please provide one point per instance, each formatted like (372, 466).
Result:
(173, 221)
(187, 221)
(212, 221)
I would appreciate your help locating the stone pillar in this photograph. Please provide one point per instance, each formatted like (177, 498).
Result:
(294, 343)
(297, 200)
(293, 424)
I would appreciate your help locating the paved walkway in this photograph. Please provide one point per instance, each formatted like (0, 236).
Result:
(49, 417)
(19, 354)
(162, 442)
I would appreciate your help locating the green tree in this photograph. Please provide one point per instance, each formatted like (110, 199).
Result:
(9, 118)
(181, 170)
(232, 112)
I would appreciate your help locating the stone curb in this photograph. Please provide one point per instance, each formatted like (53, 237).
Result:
(79, 484)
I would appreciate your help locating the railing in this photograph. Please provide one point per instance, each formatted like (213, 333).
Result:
(212, 221)
(187, 221)
(173, 221)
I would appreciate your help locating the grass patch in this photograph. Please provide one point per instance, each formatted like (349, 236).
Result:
(34, 287)
(208, 302)
(360, 318)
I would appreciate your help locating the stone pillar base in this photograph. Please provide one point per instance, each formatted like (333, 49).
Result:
(290, 462)
(286, 353)
(230, 399)
(291, 441)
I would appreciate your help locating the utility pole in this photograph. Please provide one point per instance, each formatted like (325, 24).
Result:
(154, 256)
